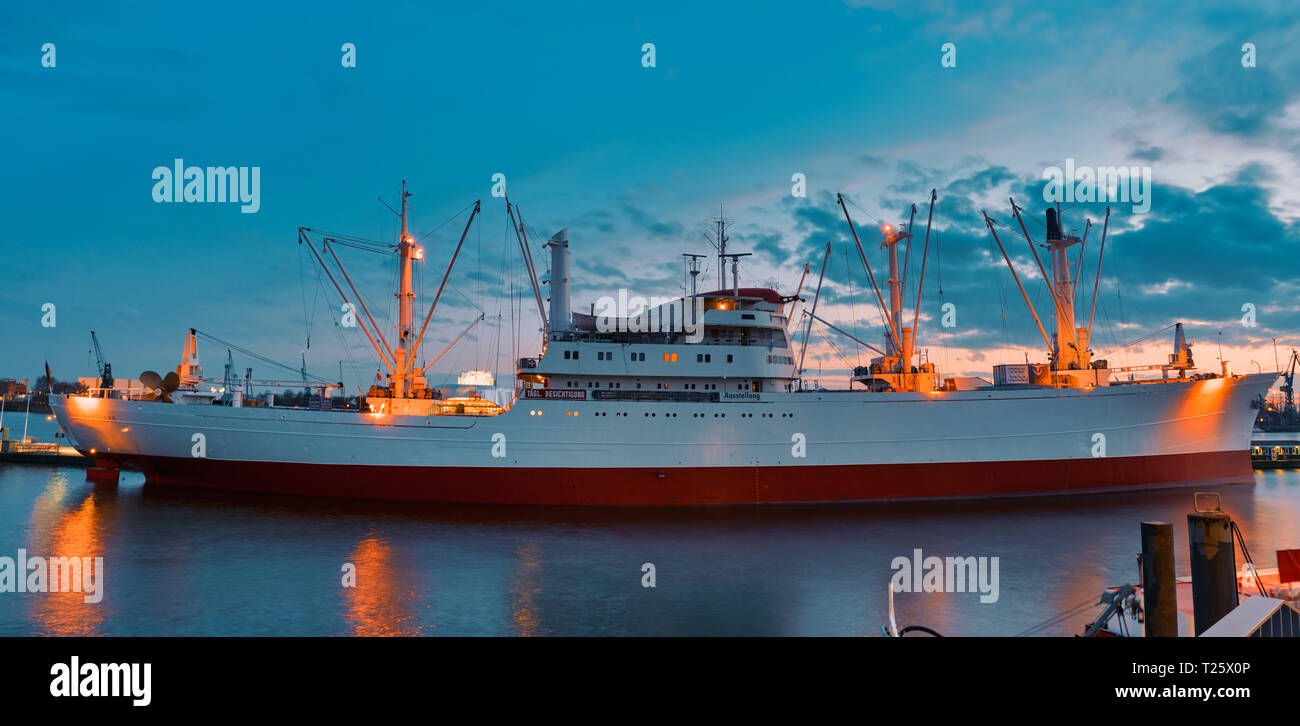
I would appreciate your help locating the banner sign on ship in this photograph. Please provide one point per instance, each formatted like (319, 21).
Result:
(555, 393)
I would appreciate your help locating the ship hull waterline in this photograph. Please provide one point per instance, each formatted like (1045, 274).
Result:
(864, 448)
(666, 487)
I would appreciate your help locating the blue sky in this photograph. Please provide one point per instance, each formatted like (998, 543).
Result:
(633, 160)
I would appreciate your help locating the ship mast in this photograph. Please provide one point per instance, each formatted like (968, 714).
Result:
(1070, 358)
(1069, 348)
(895, 282)
(405, 302)
(1069, 343)
(894, 367)
(406, 378)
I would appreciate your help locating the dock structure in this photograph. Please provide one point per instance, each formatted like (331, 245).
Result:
(1258, 617)
(1275, 454)
(35, 452)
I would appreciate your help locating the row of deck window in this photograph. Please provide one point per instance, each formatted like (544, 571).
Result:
(659, 386)
(650, 414)
(638, 357)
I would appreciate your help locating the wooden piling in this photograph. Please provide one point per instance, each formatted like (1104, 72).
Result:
(1214, 567)
(1158, 584)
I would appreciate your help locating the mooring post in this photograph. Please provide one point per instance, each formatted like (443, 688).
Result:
(1214, 567)
(1158, 587)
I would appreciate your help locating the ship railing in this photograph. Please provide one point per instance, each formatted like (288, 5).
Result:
(123, 394)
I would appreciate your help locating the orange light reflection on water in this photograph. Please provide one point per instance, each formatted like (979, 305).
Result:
(380, 605)
(524, 588)
(58, 531)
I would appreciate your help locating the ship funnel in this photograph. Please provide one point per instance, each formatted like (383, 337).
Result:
(1053, 225)
(559, 280)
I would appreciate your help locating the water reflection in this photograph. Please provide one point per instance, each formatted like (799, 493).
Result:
(199, 562)
(524, 588)
(383, 603)
(66, 523)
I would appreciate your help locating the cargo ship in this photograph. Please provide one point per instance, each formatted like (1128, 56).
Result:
(701, 399)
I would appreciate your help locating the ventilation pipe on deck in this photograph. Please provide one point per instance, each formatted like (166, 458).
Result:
(559, 281)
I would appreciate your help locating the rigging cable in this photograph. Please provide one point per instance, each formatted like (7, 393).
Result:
(938, 268)
(422, 237)
(1072, 612)
(347, 350)
(836, 348)
(1148, 336)
(853, 314)
(256, 356)
(302, 285)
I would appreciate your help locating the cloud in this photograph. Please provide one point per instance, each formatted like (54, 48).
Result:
(1198, 257)
(1230, 98)
(650, 225)
(1148, 153)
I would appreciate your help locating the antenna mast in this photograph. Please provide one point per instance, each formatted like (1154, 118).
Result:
(693, 264)
(735, 270)
(720, 242)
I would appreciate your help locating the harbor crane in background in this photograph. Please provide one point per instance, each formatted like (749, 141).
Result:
(1288, 390)
(1286, 417)
(104, 367)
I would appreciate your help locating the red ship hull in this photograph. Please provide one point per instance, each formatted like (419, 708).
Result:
(692, 486)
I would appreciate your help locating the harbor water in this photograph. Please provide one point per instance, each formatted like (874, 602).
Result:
(205, 563)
